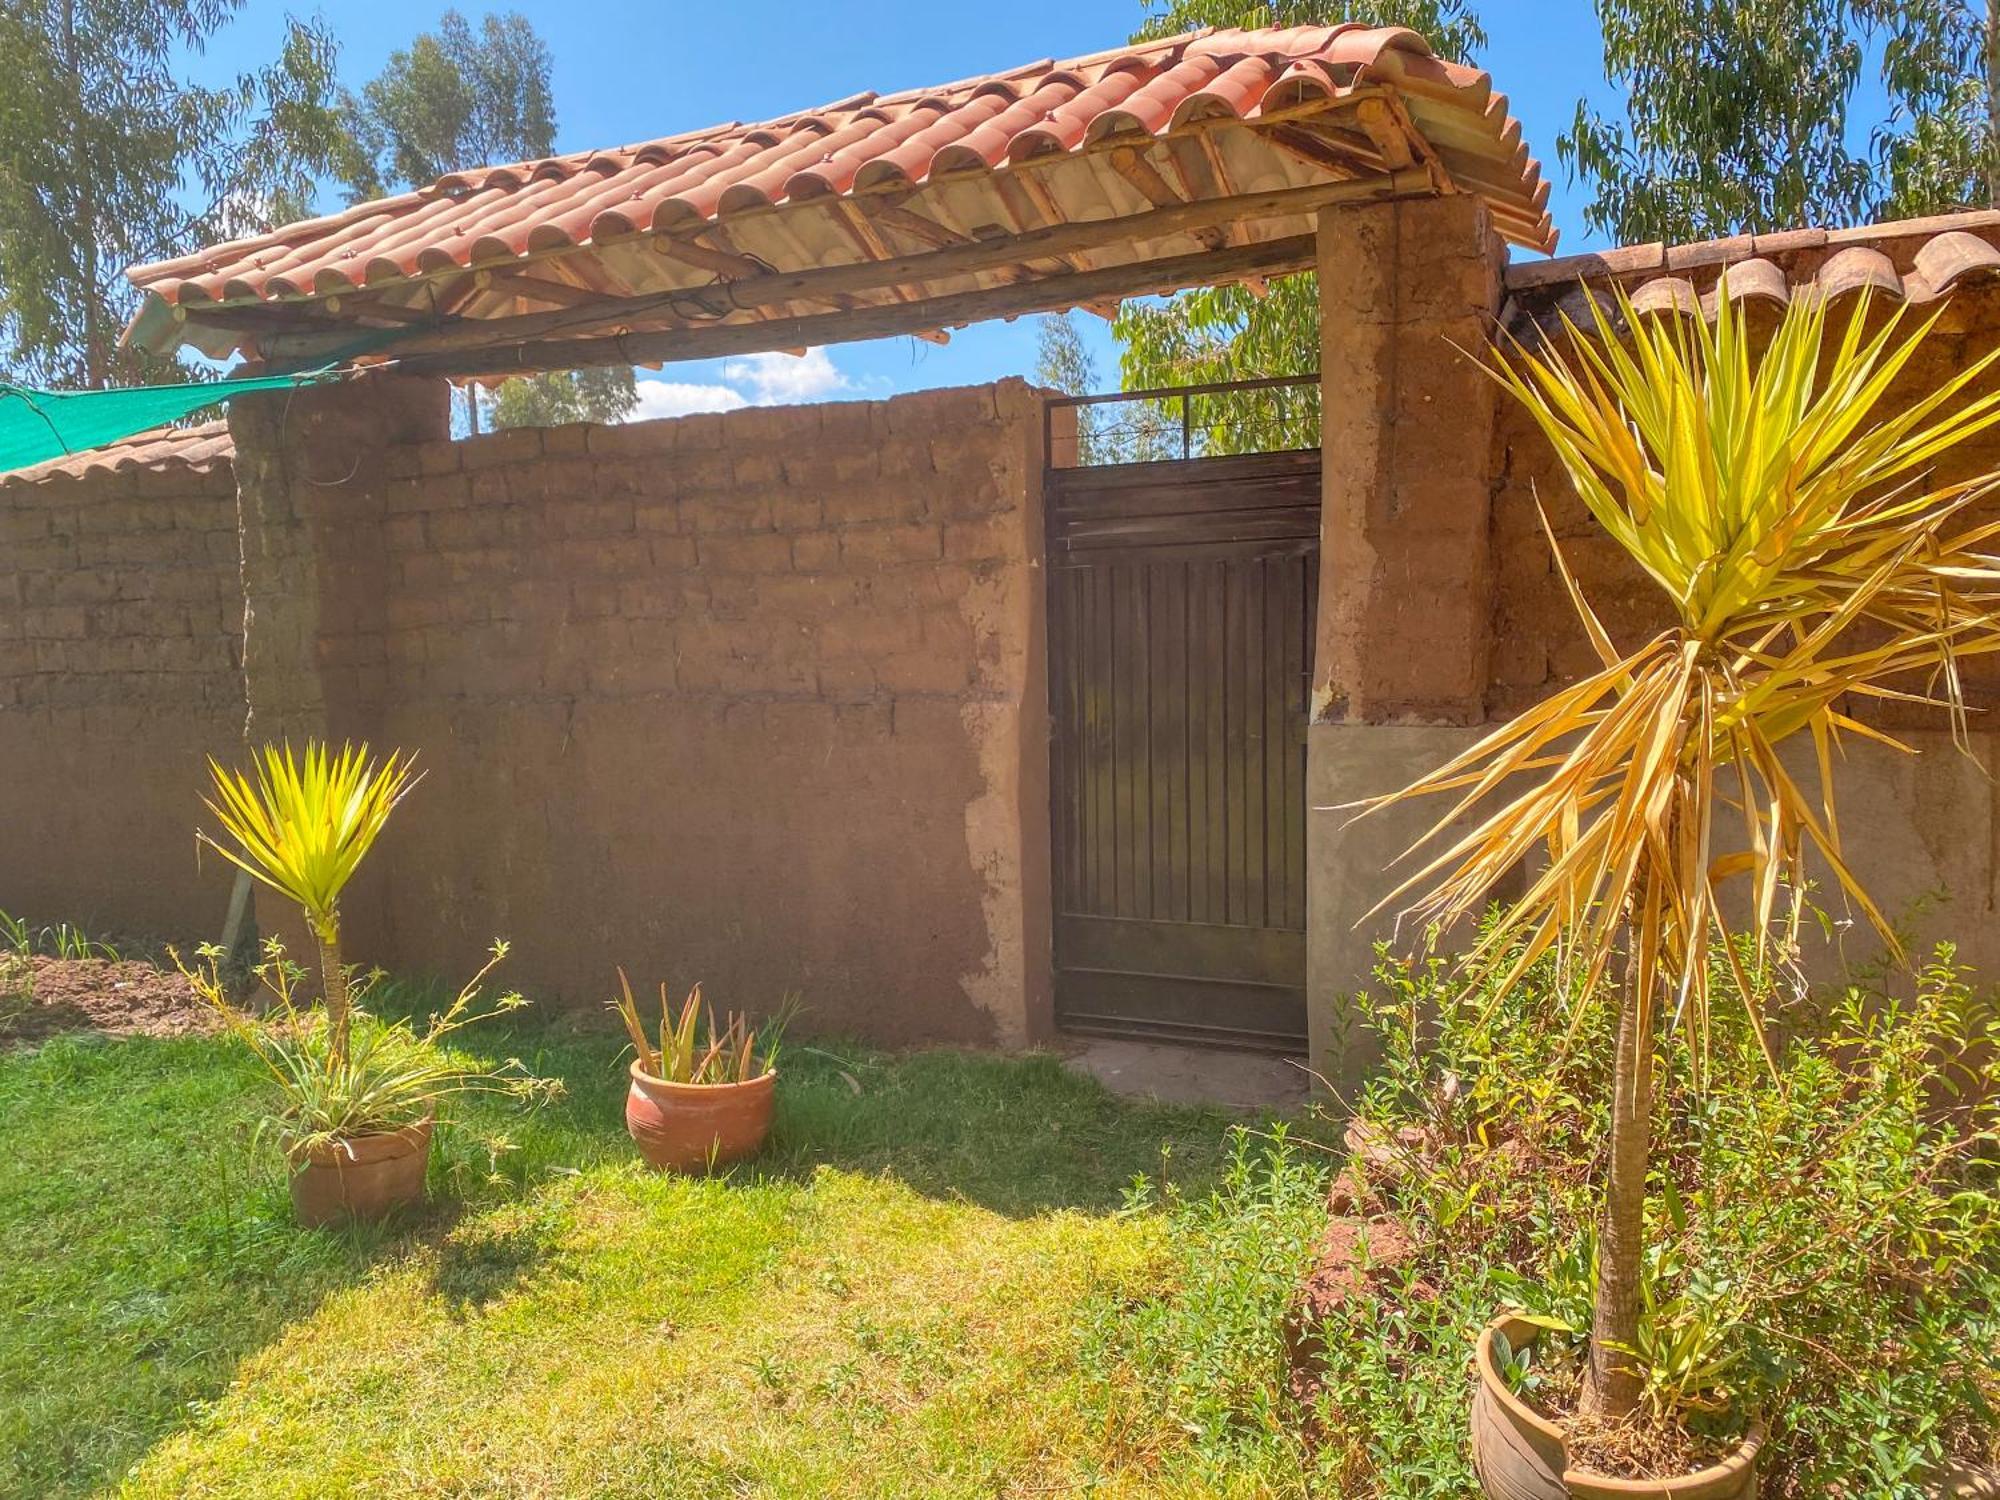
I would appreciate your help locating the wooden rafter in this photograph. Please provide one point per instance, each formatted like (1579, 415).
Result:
(776, 289)
(689, 251)
(1267, 258)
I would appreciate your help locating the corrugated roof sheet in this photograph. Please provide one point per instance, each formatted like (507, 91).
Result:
(196, 449)
(1211, 114)
(1905, 261)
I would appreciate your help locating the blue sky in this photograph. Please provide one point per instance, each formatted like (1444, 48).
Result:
(631, 70)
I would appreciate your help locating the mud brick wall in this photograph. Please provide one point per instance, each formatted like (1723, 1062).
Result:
(121, 624)
(752, 698)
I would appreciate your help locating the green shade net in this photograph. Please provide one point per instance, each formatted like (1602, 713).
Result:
(36, 426)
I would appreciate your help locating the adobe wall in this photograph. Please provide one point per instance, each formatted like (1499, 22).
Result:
(753, 698)
(120, 669)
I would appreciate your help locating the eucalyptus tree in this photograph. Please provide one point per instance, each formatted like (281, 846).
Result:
(112, 154)
(1745, 116)
(458, 98)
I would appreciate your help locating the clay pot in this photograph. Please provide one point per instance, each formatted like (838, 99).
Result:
(1520, 1456)
(364, 1178)
(685, 1127)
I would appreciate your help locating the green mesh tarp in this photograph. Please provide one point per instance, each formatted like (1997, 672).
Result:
(36, 426)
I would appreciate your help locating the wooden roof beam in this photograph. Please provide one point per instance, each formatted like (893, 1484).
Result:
(497, 359)
(773, 289)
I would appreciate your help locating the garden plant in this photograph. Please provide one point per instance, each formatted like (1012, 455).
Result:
(704, 1097)
(360, 1092)
(1810, 565)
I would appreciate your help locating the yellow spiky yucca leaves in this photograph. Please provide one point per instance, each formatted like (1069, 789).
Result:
(1808, 561)
(1789, 514)
(302, 826)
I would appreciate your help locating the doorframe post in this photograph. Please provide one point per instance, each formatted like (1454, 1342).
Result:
(1408, 291)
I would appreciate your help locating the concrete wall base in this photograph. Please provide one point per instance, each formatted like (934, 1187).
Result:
(1922, 832)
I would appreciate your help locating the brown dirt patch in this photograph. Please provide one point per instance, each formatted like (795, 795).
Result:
(114, 997)
(1356, 1258)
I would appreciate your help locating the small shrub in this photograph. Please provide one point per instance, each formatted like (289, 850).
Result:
(1825, 1232)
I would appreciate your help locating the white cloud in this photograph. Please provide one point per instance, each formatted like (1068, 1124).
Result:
(780, 379)
(679, 398)
(771, 379)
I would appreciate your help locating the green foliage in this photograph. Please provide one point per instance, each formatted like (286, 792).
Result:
(1450, 26)
(1825, 1239)
(1739, 116)
(385, 1075)
(1235, 332)
(306, 821)
(1211, 1357)
(605, 393)
(109, 156)
(453, 100)
(456, 99)
(53, 939)
(855, 1315)
(729, 1053)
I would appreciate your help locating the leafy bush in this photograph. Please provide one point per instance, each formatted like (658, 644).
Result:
(1825, 1235)
(1827, 1242)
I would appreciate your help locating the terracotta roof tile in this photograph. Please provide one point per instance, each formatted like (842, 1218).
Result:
(195, 450)
(1911, 260)
(944, 139)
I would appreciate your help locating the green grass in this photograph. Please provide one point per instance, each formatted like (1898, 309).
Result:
(922, 1289)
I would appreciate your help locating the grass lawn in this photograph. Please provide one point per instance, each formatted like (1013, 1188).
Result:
(922, 1289)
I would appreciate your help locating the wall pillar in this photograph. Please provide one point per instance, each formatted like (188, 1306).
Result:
(312, 468)
(1406, 593)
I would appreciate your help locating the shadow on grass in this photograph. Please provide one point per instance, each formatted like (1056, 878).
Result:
(1017, 1135)
(149, 1249)
(151, 1246)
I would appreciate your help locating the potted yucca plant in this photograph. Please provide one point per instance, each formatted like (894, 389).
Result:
(360, 1094)
(1810, 563)
(704, 1096)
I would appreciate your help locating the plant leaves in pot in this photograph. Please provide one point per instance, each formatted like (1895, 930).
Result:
(1799, 538)
(703, 1097)
(360, 1093)
(1521, 1454)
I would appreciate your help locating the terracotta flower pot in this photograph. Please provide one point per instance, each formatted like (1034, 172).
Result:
(363, 1178)
(1520, 1456)
(684, 1127)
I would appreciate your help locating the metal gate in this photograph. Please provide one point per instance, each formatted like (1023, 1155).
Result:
(1181, 596)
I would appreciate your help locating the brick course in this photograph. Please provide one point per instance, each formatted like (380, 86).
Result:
(121, 629)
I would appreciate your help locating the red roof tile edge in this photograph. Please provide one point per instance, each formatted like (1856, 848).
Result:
(195, 450)
(989, 122)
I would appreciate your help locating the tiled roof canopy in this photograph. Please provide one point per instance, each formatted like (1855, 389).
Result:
(1196, 160)
(194, 450)
(1908, 261)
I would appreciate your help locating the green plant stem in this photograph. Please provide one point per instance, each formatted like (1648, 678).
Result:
(1617, 1380)
(333, 980)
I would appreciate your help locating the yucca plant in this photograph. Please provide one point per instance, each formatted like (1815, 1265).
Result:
(728, 1054)
(303, 826)
(1811, 563)
(385, 1075)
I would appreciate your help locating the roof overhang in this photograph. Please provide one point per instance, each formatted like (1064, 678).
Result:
(1199, 160)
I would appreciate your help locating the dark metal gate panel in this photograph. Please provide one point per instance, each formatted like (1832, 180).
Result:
(1180, 602)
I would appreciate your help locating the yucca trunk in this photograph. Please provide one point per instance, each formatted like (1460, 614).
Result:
(333, 980)
(1616, 1379)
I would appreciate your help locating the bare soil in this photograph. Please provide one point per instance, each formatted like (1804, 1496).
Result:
(113, 997)
(1356, 1258)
